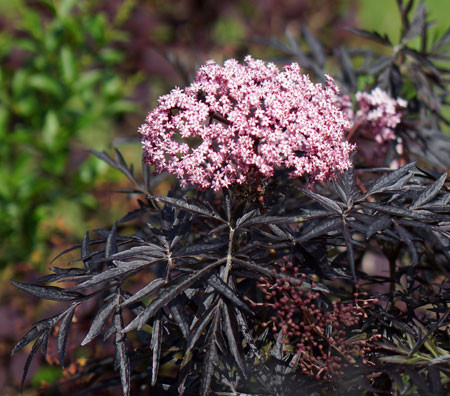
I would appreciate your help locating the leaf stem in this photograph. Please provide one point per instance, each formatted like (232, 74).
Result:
(227, 268)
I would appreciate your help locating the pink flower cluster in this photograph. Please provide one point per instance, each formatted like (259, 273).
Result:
(379, 114)
(240, 121)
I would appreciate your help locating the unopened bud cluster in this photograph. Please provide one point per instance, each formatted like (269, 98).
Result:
(317, 330)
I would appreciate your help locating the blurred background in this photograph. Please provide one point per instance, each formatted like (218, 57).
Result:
(79, 75)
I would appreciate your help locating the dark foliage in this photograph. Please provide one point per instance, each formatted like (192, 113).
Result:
(208, 255)
(202, 324)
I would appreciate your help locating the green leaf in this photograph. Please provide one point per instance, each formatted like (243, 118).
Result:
(111, 55)
(68, 65)
(87, 80)
(19, 82)
(25, 106)
(46, 374)
(64, 8)
(32, 23)
(122, 106)
(112, 86)
(45, 84)
(50, 129)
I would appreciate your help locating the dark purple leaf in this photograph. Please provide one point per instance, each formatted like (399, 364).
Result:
(123, 269)
(48, 292)
(37, 329)
(149, 250)
(245, 331)
(100, 319)
(324, 201)
(63, 333)
(197, 330)
(242, 220)
(374, 36)
(221, 287)
(378, 225)
(86, 251)
(111, 242)
(421, 215)
(176, 308)
(417, 24)
(210, 359)
(407, 238)
(315, 47)
(146, 291)
(32, 354)
(389, 180)
(322, 228)
(155, 346)
(429, 193)
(350, 251)
(191, 208)
(231, 338)
(122, 360)
(169, 293)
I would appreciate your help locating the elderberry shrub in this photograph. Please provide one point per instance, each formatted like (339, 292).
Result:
(253, 276)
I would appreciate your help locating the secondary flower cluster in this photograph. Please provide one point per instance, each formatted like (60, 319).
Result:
(379, 114)
(374, 125)
(240, 121)
(319, 332)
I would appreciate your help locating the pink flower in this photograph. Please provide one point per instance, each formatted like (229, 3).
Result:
(239, 120)
(375, 120)
(379, 114)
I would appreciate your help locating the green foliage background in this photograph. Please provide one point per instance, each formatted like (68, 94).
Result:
(61, 92)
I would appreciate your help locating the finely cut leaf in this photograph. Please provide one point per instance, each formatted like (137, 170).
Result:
(155, 346)
(149, 250)
(111, 242)
(445, 359)
(231, 338)
(197, 330)
(374, 36)
(30, 358)
(177, 310)
(48, 292)
(417, 24)
(429, 193)
(407, 238)
(320, 229)
(221, 287)
(86, 251)
(389, 180)
(245, 331)
(210, 359)
(413, 214)
(122, 269)
(324, 201)
(179, 203)
(315, 47)
(378, 225)
(167, 295)
(100, 319)
(146, 291)
(350, 250)
(122, 359)
(63, 333)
